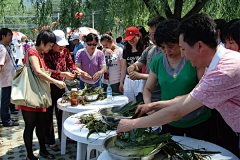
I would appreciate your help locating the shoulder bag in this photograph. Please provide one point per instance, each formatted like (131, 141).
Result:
(28, 89)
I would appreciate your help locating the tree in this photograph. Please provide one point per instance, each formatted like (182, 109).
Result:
(16, 17)
(179, 9)
(117, 15)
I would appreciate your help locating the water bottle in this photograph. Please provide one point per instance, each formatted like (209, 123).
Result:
(109, 94)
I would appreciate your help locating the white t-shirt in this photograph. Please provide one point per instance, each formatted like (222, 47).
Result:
(113, 66)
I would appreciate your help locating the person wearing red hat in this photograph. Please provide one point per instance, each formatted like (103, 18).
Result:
(133, 50)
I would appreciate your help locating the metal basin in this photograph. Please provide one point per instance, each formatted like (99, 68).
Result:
(92, 97)
(110, 117)
(118, 157)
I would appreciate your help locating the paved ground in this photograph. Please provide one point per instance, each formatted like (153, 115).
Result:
(13, 146)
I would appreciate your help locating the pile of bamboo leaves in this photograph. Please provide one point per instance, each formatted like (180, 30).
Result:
(145, 142)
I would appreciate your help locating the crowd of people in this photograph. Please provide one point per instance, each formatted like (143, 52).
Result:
(186, 73)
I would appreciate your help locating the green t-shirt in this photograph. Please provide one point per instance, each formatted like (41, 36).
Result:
(177, 82)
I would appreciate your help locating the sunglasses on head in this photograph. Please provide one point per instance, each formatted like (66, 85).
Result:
(94, 44)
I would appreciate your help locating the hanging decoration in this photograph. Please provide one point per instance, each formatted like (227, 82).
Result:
(55, 24)
(78, 15)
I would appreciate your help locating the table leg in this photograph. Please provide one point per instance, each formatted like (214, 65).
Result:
(64, 137)
(81, 150)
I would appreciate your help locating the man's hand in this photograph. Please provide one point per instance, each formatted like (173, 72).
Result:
(135, 75)
(124, 126)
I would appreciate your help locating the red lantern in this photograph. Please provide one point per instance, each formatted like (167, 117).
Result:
(80, 15)
(48, 27)
(55, 24)
(76, 15)
(42, 28)
(35, 30)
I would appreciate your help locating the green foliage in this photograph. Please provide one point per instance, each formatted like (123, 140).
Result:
(68, 10)
(10, 17)
(116, 15)
(43, 9)
(225, 9)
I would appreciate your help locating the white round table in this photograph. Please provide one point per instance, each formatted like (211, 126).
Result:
(73, 130)
(191, 142)
(67, 109)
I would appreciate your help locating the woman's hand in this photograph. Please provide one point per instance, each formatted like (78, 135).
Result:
(109, 51)
(121, 87)
(130, 69)
(68, 75)
(97, 75)
(60, 84)
(125, 125)
(144, 108)
(86, 75)
(135, 75)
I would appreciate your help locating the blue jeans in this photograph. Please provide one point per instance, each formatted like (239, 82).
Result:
(5, 105)
(97, 84)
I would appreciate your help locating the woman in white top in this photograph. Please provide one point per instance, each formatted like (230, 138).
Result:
(114, 62)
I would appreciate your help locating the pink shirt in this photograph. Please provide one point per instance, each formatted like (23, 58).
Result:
(219, 88)
(7, 73)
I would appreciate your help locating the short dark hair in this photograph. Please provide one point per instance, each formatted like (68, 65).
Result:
(225, 34)
(166, 32)
(199, 27)
(4, 32)
(26, 41)
(91, 36)
(46, 36)
(232, 30)
(119, 40)
(220, 24)
(155, 21)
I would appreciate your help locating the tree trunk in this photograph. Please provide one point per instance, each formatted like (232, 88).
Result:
(178, 9)
(197, 8)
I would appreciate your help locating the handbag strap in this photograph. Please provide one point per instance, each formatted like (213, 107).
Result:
(27, 59)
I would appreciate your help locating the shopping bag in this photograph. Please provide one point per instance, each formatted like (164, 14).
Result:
(28, 89)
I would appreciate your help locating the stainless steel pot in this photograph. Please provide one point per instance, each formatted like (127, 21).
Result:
(117, 157)
(110, 117)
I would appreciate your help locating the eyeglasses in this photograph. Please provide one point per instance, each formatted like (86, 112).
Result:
(94, 44)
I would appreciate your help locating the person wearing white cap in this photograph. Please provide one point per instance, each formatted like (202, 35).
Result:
(58, 60)
(78, 45)
(19, 51)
